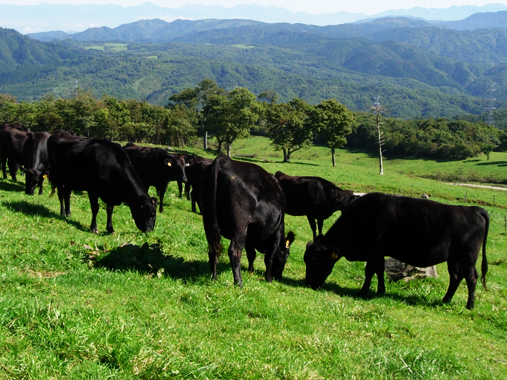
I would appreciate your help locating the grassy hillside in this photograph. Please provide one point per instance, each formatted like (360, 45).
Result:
(130, 305)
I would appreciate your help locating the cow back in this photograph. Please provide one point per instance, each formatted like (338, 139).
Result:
(420, 232)
(241, 198)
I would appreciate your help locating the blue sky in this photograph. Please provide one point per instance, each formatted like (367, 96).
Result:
(313, 6)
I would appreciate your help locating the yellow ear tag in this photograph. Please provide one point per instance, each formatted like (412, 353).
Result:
(287, 244)
(334, 256)
(45, 176)
(168, 164)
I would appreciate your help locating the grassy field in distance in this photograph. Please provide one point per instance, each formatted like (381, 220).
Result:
(76, 305)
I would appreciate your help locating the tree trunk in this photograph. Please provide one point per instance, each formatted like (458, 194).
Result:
(284, 155)
(380, 163)
(228, 146)
(333, 158)
(204, 137)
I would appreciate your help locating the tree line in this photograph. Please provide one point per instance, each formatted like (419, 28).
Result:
(209, 110)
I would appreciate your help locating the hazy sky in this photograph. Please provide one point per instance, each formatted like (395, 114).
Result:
(309, 6)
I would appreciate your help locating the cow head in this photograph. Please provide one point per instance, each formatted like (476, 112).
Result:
(281, 255)
(319, 261)
(176, 164)
(32, 178)
(144, 214)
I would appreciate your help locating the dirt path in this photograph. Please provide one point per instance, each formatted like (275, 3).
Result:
(482, 186)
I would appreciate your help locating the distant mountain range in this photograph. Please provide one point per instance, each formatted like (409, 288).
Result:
(47, 17)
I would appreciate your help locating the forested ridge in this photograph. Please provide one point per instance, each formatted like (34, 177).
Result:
(208, 110)
(152, 59)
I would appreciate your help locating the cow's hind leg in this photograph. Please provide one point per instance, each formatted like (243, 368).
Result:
(109, 225)
(64, 198)
(372, 267)
(251, 254)
(313, 226)
(381, 287)
(13, 169)
(471, 276)
(213, 259)
(3, 160)
(94, 203)
(455, 277)
(235, 249)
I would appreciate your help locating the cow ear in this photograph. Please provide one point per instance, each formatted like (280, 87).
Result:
(335, 254)
(289, 239)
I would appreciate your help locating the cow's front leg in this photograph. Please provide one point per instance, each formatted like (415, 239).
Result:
(41, 181)
(66, 196)
(94, 203)
(161, 193)
(312, 226)
(109, 225)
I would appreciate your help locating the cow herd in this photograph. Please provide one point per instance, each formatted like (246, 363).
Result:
(245, 204)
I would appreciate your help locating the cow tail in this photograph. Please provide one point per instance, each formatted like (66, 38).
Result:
(484, 265)
(214, 240)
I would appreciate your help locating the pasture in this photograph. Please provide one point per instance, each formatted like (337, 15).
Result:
(76, 305)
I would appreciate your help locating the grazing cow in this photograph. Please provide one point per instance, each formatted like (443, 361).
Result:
(103, 169)
(314, 197)
(18, 126)
(36, 161)
(419, 232)
(155, 167)
(12, 140)
(194, 170)
(246, 205)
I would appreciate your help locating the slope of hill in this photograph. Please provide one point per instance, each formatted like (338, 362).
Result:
(17, 50)
(478, 21)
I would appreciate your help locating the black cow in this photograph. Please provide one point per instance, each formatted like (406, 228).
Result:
(36, 161)
(18, 126)
(155, 167)
(246, 205)
(12, 140)
(314, 197)
(103, 169)
(194, 170)
(419, 232)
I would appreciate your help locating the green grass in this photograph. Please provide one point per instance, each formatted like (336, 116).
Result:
(109, 46)
(76, 305)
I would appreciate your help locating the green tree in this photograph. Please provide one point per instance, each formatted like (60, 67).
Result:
(196, 99)
(333, 121)
(7, 108)
(231, 116)
(289, 127)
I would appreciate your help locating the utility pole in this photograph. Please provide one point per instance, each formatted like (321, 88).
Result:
(379, 110)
